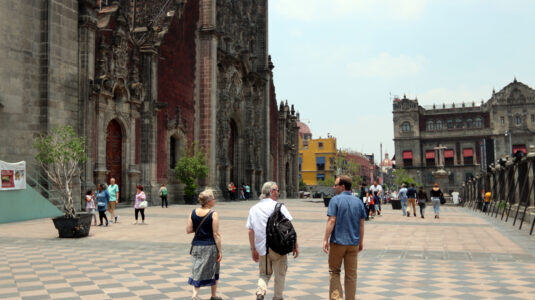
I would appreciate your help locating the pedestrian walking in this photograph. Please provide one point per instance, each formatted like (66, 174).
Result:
(364, 194)
(403, 198)
(487, 197)
(247, 191)
(231, 188)
(436, 195)
(206, 251)
(90, 205)
(113, 190)
(422, 199)
(344, 239)
(163, 194)
(269, 261)
(103, 198)
(411, 195)
(140, 204)
(377, 192)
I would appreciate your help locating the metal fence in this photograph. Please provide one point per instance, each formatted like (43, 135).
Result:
(512, 184)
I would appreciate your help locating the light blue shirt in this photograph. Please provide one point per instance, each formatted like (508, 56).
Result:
(348, 210)
(113, 189)
(402, 194)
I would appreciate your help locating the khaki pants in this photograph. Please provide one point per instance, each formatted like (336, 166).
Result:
(412, 202)
(349, 254)
(277, 264)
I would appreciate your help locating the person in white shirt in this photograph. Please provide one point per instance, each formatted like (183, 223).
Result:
(376, 192)
(256, 223)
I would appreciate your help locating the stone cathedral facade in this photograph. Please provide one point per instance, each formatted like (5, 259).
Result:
(143, 79)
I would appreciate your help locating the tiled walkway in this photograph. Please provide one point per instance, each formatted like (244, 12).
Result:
(463, 255)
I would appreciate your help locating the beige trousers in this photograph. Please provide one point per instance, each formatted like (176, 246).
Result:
(349, 255)
(277, 264)
(412, 202)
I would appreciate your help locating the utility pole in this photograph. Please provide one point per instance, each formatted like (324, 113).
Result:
(381, 163)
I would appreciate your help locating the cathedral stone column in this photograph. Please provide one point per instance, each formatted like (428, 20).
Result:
(87, 27)
(206, 102)
(148, 134)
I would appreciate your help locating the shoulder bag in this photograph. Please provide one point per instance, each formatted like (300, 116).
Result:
(199, 227)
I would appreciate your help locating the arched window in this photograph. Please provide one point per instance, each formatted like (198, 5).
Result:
(439, 125)
(406, 127)
(518, 120)
(479, 122)
(469, 123)
(430, 125)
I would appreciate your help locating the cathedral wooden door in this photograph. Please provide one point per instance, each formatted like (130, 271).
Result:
(114, 153)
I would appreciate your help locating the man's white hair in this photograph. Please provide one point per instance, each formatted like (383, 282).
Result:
(267, 188)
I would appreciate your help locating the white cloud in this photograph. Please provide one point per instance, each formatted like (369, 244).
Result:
(386, 66)
(311, 10)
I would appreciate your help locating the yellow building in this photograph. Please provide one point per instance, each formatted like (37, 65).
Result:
(317, 157)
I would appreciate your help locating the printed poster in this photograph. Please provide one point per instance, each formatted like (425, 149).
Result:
(12, 176)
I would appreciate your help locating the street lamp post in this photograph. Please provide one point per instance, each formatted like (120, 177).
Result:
(510, 135)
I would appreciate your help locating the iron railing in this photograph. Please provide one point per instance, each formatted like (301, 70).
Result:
(512, 184)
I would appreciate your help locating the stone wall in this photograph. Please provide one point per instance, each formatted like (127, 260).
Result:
(176, 84)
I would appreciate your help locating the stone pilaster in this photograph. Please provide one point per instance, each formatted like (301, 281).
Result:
(87, 27)
(207, 89)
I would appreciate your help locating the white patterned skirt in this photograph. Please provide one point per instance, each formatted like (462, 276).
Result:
(205, 268)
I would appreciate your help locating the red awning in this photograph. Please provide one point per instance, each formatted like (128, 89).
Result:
(519, 148)
(430, 154)
(468, 152)
(407, 154)
(448, 153)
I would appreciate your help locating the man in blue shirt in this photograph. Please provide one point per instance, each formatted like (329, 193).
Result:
(343, 238)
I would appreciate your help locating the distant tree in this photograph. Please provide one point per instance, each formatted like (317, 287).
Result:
(327, 182)
(302, 185)
(349, 167)
(402, 177)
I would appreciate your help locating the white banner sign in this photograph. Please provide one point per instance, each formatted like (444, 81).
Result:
(13, 175)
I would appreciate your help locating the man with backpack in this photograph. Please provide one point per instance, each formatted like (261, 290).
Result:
(268, 219)
(343, 240)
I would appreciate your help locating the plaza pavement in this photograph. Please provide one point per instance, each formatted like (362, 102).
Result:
(462, 255)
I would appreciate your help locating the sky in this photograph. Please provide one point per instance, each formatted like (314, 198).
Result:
(341, 62)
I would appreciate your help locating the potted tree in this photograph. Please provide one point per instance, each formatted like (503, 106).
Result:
(189, 168)
(60, 153)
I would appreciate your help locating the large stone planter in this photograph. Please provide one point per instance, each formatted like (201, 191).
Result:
(190, 199)
(73, 227)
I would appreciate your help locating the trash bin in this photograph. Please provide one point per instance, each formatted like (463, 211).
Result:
(396, 204)
(326, 200)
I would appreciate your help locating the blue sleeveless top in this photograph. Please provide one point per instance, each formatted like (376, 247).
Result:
(205, 235)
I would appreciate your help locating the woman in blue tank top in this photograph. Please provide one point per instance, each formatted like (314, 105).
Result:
(206, 245)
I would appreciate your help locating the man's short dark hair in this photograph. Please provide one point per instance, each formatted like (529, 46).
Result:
(412, 184)
(345, 181)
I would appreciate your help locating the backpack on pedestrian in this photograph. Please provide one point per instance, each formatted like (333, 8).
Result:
(280, 233)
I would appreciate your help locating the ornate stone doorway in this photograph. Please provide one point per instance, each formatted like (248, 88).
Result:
(114, 153)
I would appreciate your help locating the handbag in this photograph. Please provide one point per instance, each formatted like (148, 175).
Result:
(442, 200)
(143, 204)
(197, 230)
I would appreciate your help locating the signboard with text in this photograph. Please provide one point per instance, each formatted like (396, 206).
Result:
(12, 175)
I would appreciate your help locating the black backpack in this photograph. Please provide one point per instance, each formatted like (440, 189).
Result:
(280, 233)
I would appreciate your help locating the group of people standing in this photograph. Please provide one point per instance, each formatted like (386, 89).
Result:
(371, 197)
(410, 196)
(106, 198)
(243, 192)
(343, 240)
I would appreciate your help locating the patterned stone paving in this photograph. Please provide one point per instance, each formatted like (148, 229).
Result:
(463, 255)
